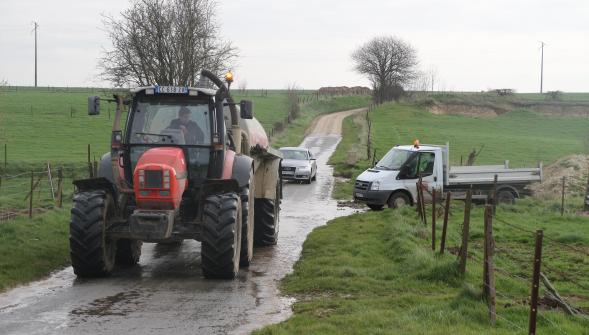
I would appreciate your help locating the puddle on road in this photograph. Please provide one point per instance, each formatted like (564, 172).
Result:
(119, 304)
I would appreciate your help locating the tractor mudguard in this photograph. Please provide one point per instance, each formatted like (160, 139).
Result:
(217, 186)
(105, 168)
(242, 165)
(100, 183)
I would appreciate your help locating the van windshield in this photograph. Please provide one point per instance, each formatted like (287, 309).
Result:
(394, 159)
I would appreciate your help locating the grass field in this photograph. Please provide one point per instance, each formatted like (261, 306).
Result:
(522, 137)
(374, 273)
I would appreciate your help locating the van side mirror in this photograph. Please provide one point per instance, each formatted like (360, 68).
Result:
(94, 105)
(246, 108)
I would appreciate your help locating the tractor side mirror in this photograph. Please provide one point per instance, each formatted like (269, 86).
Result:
(247, 109)
(93, 105)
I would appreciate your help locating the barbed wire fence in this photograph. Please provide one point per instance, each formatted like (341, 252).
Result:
(27, 194)
(509, 270)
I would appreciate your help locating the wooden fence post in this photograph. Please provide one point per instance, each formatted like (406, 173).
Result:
(418, 204)
(31, 196)
(494, 194)
(90, 168)
(59, 187)
(488, 270)
(562, 202)
(465, 233)
(445, 226)
(434, 219)
(535, 283)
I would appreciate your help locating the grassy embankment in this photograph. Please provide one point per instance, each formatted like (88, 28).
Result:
(41, 125)
(375, 272)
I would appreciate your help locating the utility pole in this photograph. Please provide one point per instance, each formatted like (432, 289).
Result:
(542, 66)
(36, 26)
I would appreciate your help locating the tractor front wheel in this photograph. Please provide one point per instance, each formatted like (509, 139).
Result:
(92, 253)
(221, 236)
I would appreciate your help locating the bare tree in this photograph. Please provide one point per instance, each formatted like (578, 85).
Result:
(389, 64)
(165, 42)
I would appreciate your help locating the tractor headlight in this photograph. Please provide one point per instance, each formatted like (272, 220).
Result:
(375, 186)
(141, 178)
(166, 184)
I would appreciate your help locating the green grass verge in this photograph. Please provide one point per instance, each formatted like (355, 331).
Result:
(374, 273)
(31, 249)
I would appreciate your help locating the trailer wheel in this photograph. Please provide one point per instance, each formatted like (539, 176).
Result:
(266, 220)
(398, 199)
(128, 252)
(247, 226)
(221, 236)
(91, 252)
(505, 197)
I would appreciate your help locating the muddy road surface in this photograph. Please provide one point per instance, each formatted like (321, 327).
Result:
(166, 293)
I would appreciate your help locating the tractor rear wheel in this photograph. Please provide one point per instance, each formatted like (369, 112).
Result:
(266, 218)
(128, 252)
(221, 236)
(91, 252)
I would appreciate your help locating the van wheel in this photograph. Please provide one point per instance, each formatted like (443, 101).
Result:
(505, 197)
(398, 199)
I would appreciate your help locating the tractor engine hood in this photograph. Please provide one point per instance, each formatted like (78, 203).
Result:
(160, 178)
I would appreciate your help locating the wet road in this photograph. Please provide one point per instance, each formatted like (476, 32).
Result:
(166, 293)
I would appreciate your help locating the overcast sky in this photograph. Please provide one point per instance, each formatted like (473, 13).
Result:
(472, 45)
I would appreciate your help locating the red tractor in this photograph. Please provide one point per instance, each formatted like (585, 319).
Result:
(190, 164)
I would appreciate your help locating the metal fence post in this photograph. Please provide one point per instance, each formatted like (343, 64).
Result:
(433, 219)
(535, 283)
(465, 233)
(488, 270)
(445, 226)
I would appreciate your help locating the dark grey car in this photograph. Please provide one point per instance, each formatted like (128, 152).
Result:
(298, 164)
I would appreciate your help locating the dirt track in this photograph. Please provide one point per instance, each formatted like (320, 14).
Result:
(166, 293)
(331, 124)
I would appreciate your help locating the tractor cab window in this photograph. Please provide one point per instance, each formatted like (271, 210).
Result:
(171, 121)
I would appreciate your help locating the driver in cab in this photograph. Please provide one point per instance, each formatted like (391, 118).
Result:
(192, 132)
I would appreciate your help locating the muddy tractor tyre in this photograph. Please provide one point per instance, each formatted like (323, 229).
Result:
(128, 252)
(247, 226)
(266, 219)
(92, 254)
(221, 236)
(398, 199)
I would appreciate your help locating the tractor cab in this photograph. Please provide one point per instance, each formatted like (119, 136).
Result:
(183, 119)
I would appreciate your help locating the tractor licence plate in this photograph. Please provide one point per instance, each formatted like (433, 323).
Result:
(171, 90)
(360, 195)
